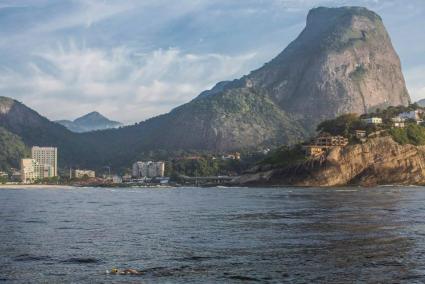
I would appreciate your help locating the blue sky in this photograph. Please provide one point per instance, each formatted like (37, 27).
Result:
(132, 60)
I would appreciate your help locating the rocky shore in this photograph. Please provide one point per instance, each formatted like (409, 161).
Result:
(378, 161)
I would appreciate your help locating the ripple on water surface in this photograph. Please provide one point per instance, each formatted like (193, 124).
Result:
(225, 235)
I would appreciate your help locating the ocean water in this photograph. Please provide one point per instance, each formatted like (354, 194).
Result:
(213, 235)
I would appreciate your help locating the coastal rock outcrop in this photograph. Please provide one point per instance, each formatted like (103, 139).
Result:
(376, 162)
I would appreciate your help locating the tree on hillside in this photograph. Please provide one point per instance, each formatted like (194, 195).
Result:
(342, 125)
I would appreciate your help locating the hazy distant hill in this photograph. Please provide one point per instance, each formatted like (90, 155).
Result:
(89, 122)
(421, 103)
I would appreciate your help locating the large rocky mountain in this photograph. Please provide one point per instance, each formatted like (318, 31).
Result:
(343, 61)
(89, 122)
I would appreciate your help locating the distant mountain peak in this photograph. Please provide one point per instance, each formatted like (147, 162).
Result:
(92, 116)
(90, 122)
(421, 102)
(94, 113)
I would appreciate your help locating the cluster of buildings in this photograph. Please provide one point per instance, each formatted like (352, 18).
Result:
(231, 156)
(224, 157)
(400, 120)
(78, 174)
(148, 169)
(42, 164)
(322, 143)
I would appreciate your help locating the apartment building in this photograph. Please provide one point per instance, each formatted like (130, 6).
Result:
(148, 169)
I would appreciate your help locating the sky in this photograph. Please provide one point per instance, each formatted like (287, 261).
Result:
(134, 59)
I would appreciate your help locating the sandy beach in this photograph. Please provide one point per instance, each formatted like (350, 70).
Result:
(34, 186)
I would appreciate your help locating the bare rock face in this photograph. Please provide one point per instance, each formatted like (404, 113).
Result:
(378, 161)
(5, 105)
(342, 62)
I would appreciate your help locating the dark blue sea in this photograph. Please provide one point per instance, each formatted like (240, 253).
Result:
(213, 235)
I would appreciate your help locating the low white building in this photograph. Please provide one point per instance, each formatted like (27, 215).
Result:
(414, 115)
(372, 120)
(77, 173)
(398, 122)
(116, 179)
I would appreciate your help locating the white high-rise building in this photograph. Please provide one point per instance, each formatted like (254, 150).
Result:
(29, 170)
(32, 171)
(48, 158)
(148, 169)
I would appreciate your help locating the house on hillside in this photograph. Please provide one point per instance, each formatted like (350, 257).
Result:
(360, 135)
(313, 151)
(372, 120)
(414, 114)
(398, 122)
(322, 143)
(233, 156)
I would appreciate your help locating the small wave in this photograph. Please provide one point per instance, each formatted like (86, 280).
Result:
(29, 257)
(198, 258)
(35, 221)
(78, 260)
(243, 278)
(64, 228)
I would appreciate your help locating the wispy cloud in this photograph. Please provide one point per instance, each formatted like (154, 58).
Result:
(124, 84)
(135, 59)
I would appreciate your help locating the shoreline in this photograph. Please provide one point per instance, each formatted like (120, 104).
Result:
(35, 186)
(56, 186)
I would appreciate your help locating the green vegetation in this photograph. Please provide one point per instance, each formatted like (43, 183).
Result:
(12, 150)
(3, 179)
(285, 156)
(411, 134)
(209, 165)
(346, 125)
(51, 180)
(195, 167)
